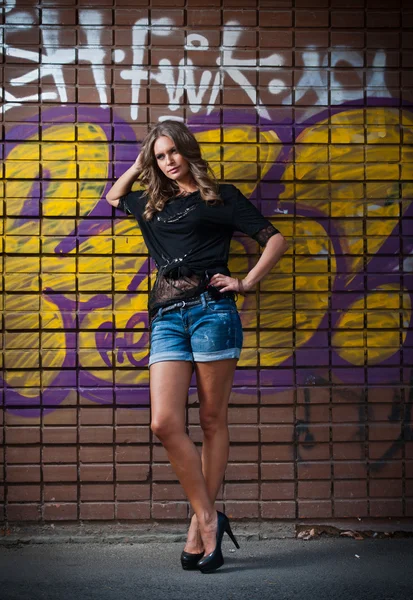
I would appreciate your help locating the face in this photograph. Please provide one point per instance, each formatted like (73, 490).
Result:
(170, 162)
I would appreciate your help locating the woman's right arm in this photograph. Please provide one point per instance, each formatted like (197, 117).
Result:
(123, 185)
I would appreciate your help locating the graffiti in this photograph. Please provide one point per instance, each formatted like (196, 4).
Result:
(326, 282)
(180, 80)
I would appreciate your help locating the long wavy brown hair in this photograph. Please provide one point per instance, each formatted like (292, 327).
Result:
(158, 187)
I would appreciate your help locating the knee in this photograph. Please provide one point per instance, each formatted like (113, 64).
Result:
(211, 422)
(163, 428)
(160, 428)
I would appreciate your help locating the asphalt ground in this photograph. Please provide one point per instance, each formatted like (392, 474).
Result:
(282, 569)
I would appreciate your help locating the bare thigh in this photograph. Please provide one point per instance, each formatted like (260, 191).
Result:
(214, 383)
(169, 385)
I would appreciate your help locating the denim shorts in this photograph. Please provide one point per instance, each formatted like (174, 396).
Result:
(205, 332)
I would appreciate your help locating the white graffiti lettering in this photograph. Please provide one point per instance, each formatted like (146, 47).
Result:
(201, 85)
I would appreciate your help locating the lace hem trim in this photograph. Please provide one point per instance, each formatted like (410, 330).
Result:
(264, 235)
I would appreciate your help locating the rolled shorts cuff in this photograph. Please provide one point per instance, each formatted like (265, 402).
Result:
(218, 355)
(163, 356)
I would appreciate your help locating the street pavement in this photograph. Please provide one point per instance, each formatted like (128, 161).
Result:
(282, 569)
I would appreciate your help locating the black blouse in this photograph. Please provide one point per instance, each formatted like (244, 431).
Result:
(189, 239)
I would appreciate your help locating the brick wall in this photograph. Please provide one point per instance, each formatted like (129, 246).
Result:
(307, 107)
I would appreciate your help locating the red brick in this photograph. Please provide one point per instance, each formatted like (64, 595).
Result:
(271, 395)
(132, 472)
(278, 510)
(242, 415)
(386, 488)
(59, 454)
(386, 508)
(314, 489)
(132, 453)
(241, 491)
(131, 492)
(318, 413)
(20, 474)
(312, 37)
(350, 508)
(314, 509)
(96, 454)
(239, 472)
(163, 472)
(377, 450)
(242, 510)
(311, 18)
(129, 16)
(314, 470)
(277, 491)
(167, 491)
(347, 18)
(132, 435)
(244, 453)
(22, 435)
(126, 416)
(102, 492)
(348, 432)
(277, 470)
(384, 431)
(96, 416)
(59, 472)
(277, 452)
(23, 455)
(387, 470)
(60, 492)
(322, 395)
(275, 39)
(97, 511)
(277, 414)
(23, 493)
(277, 433)
(313, 452)
(275, 18)
(243, 433)
(346, 413)
(169, 510)
(383, 19)
(133, 511)
(196, 18)
(350, 489)
(349, 470)
(96, 473)
(96, 435)
(60, 512)
(59, 435)
(348, 451)
(23, 512)
(246, 18)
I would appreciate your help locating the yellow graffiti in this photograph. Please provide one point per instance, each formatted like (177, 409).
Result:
(347, 170)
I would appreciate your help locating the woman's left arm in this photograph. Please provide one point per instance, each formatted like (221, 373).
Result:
(273, 251)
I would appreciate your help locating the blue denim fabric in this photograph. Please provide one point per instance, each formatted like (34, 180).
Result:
(208, 331)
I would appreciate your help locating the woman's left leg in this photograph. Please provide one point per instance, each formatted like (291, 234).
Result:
(214, 383)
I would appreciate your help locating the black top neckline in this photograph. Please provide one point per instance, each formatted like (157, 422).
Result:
(180, 196)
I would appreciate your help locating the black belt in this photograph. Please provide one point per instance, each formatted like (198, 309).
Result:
(194, 300)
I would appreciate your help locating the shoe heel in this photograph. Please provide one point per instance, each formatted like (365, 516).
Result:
(231, 535)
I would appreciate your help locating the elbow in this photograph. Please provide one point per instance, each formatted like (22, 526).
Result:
(281, 243)
(111, 199)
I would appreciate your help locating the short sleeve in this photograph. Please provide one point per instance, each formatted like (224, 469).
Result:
(131, 203)
(248, 219)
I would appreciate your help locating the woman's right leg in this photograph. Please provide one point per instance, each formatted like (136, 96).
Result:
(169, 384)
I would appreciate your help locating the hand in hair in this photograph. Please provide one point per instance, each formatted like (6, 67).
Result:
(137, 165)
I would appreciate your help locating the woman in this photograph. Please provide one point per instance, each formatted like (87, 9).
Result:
(187, 221)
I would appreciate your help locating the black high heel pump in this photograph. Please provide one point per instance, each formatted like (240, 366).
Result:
(189, 561)
(214, 560)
